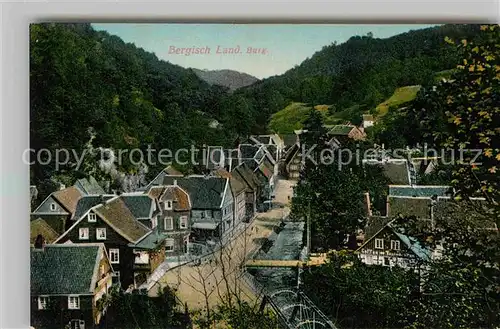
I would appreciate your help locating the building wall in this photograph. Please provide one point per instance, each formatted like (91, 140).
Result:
(240, 208)
(58, 315)
(227, 208)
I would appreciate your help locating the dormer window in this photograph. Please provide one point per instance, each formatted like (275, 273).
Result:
(92, 217)
(52, 207)
(168, 205)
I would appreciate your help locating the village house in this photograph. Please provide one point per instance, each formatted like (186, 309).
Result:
(368, 121)
(68, 282)
(113, 223)
(391, 247)
(58, 208)
(212, 204)
(158, 180)
(238, 188)
(243, 174)
(341, 132)
(174, 221)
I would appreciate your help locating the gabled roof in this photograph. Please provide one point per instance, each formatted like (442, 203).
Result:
(139, 204)
(64, 269)
(89, 186)
(206, 192)
(397, 170)
(87, 202)
(68, 198)
(39, 226)
(116, 213)
(181, 199)
(170, 170)
(374, 224)
(409, 206)
(248, 151)
(289, 140)
(419, 190)
(413, 245)
(367, 117)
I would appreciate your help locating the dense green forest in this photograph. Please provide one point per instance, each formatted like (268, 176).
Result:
(83, 78)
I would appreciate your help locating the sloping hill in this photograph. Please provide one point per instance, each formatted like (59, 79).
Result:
(292, 117)
(401, 96)
(360, 73)
(227, 78)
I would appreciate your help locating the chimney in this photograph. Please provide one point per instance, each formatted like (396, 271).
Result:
(175, 182)
(368, 204)
(39, 242)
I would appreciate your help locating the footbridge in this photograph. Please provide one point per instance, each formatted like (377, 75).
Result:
(312, 261)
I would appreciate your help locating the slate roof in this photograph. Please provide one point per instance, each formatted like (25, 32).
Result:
(247, 180)
(367, 117)
(205, 192)
(87, 202)
(418, 190)
(89, 186)
(237, 185)
(139, 204)
(396, 170)
(57, 222)
(68, 198)
(64, 269)
(116, 213)
(151, 242)
(289, 140)
(248, 151)
(409, 206)
(39, 226)
(415, 246)
(375, 224)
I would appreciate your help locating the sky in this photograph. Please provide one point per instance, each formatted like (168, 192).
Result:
(276, 48)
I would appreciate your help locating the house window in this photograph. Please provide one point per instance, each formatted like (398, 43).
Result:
(114, 256)
(169, 245)
(169, 223)
(101, 233)
(183, 222)
(168, 205)
(208, 213)
(115, 277)
(387, 261)
(379, 243)
(395, 245)
(84, 233)
(141, 257)
(43, 302)
(53, 207)
(73, 302)
(154, 222)
(92, 217)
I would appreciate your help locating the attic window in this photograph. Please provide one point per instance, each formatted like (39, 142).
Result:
(52, 206)
(92, 217)
(168, 205)
(379, 243)
(43, 302)
(395, 245)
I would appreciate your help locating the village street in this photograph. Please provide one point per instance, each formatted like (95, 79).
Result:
(205, 284)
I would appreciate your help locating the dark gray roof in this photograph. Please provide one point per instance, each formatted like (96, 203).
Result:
(139, 204)
(63, 269)
(150, 242)
(89, 186)
(87, 202)
(418, 190)
(248, 151)
(289, 140)
(205, 192)
(396, 170)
